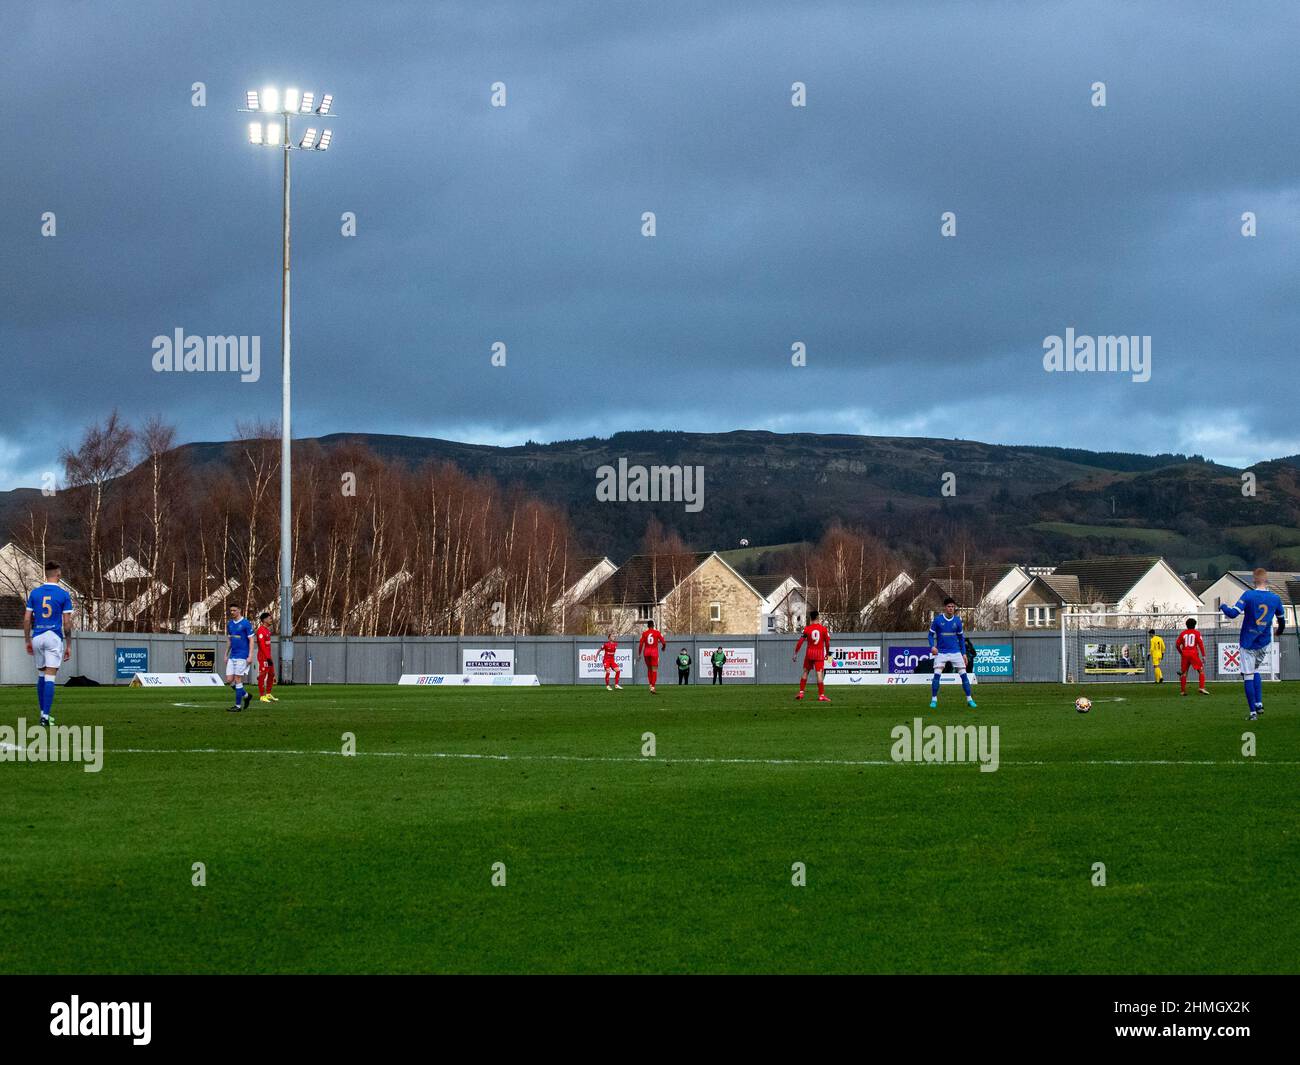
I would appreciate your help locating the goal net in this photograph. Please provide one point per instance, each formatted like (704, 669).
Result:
(1116, 647)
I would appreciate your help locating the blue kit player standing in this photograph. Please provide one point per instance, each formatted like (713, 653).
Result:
(1260, 607)
(47, 631)
(948, 644)
(239, 629)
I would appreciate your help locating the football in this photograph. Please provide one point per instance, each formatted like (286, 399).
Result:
(1083, 704)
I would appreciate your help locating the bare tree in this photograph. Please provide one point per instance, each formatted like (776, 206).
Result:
(103, 455)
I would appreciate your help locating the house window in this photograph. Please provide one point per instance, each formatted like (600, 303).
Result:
(1037, 617)
(771, 623)
(715, 611)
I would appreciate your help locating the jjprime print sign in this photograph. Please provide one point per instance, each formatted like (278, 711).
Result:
(487, 662)
(848, 660)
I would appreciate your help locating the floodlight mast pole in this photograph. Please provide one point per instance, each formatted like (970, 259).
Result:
(286, 437)
(269, 103)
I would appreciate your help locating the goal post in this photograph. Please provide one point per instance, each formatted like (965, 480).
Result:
(1114, 647)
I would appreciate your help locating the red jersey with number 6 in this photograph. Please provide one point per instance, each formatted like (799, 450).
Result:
(651, 641)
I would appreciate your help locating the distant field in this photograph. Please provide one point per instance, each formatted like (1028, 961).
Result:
(1264, 536)
(1166, 540)
(682, 862)
(744, 557)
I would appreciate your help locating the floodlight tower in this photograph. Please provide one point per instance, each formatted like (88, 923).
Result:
(277, 133)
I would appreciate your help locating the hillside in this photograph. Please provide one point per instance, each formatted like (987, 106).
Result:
(1032, 503)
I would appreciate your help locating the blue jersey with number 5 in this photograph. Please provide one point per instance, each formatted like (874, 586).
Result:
(48, 603)
(1258, 607)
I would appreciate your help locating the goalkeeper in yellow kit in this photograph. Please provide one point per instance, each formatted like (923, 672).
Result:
(1157, 653)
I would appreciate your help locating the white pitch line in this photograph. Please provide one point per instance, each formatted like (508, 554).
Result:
(847, 763)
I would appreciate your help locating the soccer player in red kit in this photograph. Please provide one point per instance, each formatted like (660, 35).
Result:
(818, 638)
(1191, 649)
(648, 646)
(610, 648)
(265, 660)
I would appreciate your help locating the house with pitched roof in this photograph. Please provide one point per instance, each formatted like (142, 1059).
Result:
(19, 574)
(1228, 589)
(1131, 584)
(688, 592)
(982, 590)
(784, 607)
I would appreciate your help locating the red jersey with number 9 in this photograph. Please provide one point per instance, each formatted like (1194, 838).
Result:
(818, 637)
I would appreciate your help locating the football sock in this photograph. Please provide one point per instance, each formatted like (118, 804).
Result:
(965, 683)
(1159, 676)
(40, 692)
(1259, 689)
(803, 682)
(1182, 682)
(1250, 691)
(49, 695)
(821, 686)
(239, 694)
(934, 686)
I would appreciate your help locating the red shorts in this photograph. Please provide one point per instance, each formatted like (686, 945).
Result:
(266, 665)
(1192, 662)
(810, 664)
(652, 663)
(610, 663)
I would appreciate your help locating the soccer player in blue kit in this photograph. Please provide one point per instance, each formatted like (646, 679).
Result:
(1260, 607)
(948, 644)
(239, 629)
(47, 631)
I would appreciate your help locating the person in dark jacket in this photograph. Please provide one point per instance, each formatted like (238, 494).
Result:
(719, 659)
(684, 667)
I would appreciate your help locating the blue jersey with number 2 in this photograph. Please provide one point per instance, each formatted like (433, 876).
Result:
(1258, 608)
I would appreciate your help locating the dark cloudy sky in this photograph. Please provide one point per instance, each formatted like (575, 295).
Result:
(775, 224)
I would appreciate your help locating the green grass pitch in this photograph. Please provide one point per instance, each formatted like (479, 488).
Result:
(383, 862)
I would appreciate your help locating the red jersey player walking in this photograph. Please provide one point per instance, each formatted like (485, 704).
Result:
(265, 660)
(818, 638)
(610, 650)
(648, 646)
(1191, 649)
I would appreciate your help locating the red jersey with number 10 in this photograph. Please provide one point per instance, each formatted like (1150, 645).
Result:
(818, 637)
(1190, 643)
